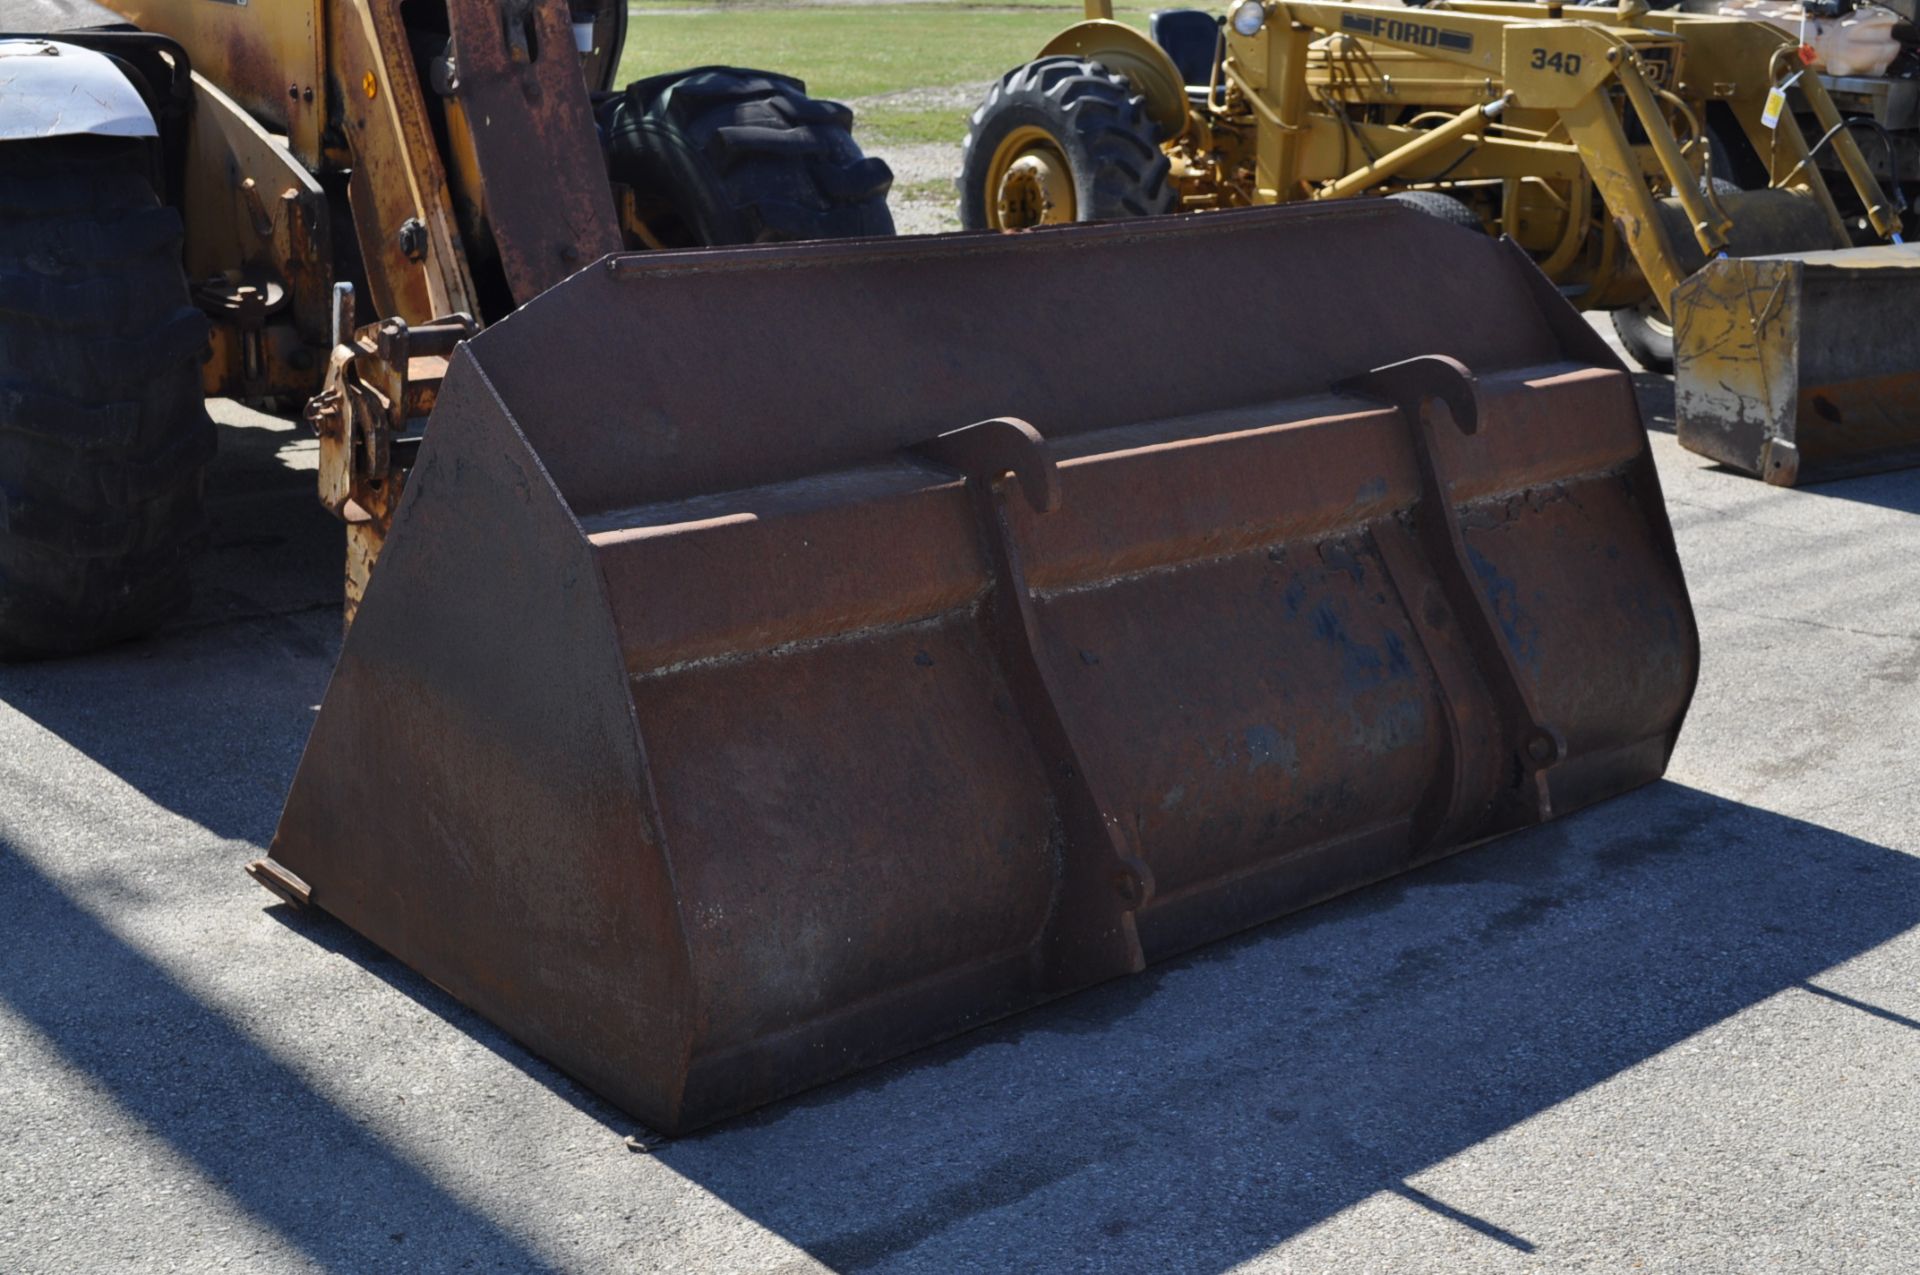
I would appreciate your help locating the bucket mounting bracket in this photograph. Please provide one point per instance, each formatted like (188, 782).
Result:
(1413, 387)
(1104, 881)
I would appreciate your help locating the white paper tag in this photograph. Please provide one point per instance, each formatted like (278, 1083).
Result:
(1777, 101)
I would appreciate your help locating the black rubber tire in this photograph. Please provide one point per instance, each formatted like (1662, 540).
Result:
(1099, 124)
(104, 434)
(1441, 207)
(1647, 335)
(725, 155)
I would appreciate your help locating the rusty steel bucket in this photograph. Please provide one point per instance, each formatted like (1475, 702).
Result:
(787, 657)
(1801, 367)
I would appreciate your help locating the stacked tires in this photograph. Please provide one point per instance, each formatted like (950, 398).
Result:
(104, 435)
(734, 156)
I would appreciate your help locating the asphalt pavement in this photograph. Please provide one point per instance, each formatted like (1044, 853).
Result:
(1679, 1032)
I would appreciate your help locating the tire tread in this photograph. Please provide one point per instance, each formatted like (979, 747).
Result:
(104, 435)
(749, 157)
(1126, 171)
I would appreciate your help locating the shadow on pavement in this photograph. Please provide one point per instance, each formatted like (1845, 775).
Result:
(1196, 1116)
(1898, 490)
(333, 936)
(1655, 395)
(1190, 1118)
(272, 549)
(208, 717)
(283, 1152)
(1185, 1120)
(208, 724)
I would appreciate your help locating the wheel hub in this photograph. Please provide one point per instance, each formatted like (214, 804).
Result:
(1035, 187)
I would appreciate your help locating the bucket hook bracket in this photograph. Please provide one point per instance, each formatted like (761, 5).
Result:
(1413, 387)
(986, 450)
(1105, 879)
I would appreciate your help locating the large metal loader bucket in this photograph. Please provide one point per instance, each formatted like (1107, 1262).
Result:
(1804, 366)
(746, 696)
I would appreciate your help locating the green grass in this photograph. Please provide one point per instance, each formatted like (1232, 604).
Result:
(847, 52)
(850, 51)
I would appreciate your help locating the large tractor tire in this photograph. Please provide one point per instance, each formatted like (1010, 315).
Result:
(1058, 140)
(722, 155)
(1644, 329)
(1646, 334)
(104, 435)
(1441, 207)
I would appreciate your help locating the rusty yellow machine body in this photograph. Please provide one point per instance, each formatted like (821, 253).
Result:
(362, 182)
(309, 124)
(1585, 134)
(308, 114)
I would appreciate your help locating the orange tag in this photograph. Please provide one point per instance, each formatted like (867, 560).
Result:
(1807, 54)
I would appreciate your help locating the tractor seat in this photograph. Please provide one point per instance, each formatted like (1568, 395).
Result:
(1193, 39)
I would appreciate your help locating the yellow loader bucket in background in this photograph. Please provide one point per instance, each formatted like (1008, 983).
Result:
(784, 658)
(1804, 366)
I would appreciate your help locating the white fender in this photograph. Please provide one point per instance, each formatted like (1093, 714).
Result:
(58, 90)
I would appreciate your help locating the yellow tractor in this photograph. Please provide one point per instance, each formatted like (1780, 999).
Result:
(201, 197)
(1604, 141)
(782, 656)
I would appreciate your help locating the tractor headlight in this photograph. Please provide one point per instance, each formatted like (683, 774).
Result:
(1249, 16)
